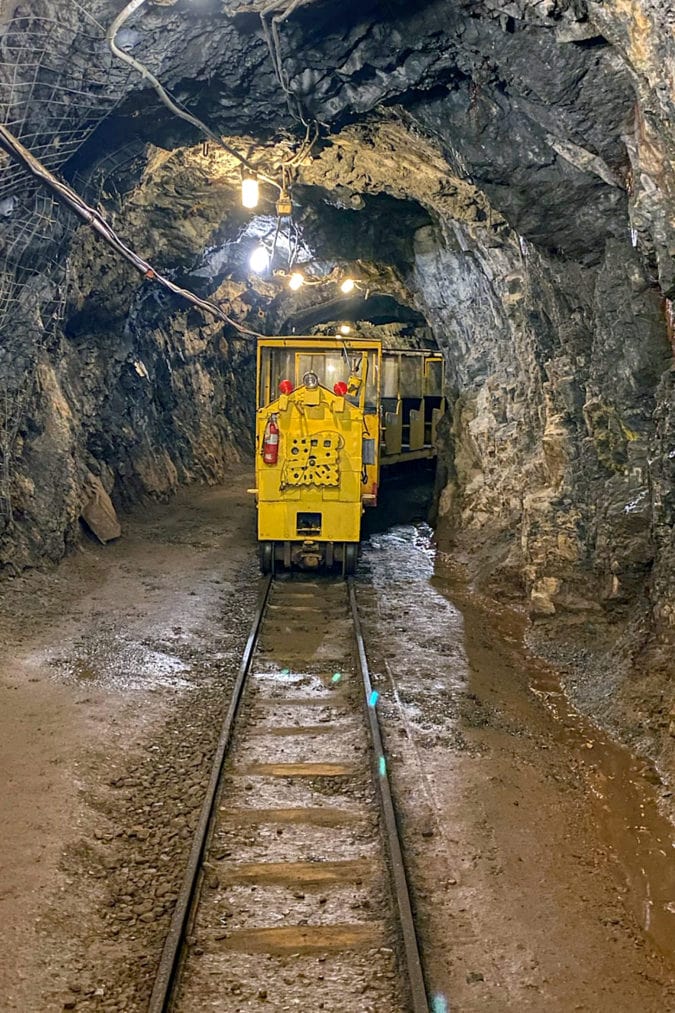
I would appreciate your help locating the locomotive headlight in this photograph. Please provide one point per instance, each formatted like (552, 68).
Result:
(250, 191)
(259, 261)
(296, 281)
(347, 286)
(345, 329)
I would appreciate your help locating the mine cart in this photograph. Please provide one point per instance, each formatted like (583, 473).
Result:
(320, 439)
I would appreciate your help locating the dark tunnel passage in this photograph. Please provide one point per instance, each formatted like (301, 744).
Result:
(490, 185)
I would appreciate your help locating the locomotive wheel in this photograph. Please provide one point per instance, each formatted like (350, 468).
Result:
(350, 553)
(267, 557)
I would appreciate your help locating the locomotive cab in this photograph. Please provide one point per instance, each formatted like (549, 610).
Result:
(317, 448)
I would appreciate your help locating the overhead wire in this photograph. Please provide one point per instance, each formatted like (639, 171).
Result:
(173, 104)
(311, 137)
(97, 222)
(271, 31)
(95, 219)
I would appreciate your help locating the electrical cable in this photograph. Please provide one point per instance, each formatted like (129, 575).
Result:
(97, 222)
(95, 219)
(273, 39)
(312, 130)
(306, 146)
(169, 101)
(276, 239)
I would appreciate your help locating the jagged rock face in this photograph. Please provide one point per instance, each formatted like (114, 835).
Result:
(553, 444)
(504, 168)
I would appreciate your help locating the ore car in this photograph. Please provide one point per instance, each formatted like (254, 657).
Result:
(330, 413)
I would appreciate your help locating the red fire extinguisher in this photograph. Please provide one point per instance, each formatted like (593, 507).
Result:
(270, 449)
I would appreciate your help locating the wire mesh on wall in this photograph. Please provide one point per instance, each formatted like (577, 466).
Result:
(57, 83)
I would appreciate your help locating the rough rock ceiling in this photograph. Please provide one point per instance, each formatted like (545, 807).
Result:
(518, 115)
(526, 102)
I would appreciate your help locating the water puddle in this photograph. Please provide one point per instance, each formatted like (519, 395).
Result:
(623, 791)
(626, 801)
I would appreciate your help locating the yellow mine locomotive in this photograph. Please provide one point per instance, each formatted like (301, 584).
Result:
(323, 428)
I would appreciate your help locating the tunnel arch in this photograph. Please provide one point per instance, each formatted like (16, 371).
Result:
(376, 309)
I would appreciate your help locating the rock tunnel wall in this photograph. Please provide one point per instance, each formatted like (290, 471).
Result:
(133, 391)
(536, 138)
(557, 446)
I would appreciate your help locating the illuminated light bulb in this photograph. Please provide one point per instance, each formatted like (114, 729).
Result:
(347, 286)
(250, 191)
(296, 281)
(259, 260)
(345, 329)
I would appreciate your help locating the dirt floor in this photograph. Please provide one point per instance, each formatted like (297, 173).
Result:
(114, 676)
(543, 870)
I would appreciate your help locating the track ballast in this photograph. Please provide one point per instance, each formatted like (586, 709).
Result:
(295, 896)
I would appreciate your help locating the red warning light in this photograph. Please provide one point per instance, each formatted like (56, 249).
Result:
(341, 388)
(286, 387)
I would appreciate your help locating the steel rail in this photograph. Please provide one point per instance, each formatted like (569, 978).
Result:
(418, 992)
(168, 968)
(169, 960)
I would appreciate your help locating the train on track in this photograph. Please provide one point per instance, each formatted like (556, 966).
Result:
(331, 412)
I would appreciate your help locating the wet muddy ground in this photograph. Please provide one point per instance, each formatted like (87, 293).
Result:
(114, 677)
(543, 871)
(542, 868)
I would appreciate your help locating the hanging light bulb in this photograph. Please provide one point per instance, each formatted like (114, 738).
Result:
(345, 329)
(347, 286)
(250, 191)
(296, 281)
(259, 261)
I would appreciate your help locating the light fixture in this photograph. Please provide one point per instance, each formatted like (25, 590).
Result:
(345, 329)
(296, 281)
(250, 191)
(259, 261)
(347, 286)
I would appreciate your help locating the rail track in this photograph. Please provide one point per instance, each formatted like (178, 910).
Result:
(295, 895)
